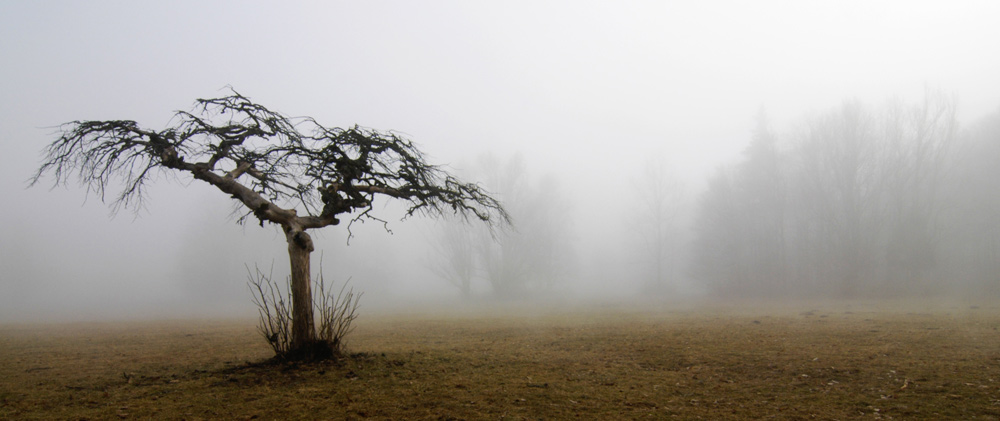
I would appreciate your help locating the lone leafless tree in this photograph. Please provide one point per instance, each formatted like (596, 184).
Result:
(293, 172)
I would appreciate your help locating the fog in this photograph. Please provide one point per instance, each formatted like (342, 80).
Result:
(648, 151)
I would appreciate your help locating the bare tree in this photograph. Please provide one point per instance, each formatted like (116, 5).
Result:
(842, 179)
(656, 220)
(454, 254)
(719, 254)
(293, 172)
(531, 258)
(528, 259)
(972, 245)
(762, 194)
(921, 139)
(740, 245)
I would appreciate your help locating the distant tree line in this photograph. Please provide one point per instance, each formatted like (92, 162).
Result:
(894, 199)
(859, 200)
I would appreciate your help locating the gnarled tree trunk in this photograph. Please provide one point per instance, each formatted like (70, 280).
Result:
(303, 330)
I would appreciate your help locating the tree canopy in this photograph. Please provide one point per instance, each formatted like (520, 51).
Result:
(284, 170)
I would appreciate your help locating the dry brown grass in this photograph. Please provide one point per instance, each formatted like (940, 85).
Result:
(830, 362)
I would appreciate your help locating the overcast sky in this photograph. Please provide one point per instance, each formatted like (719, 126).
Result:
(586, 90)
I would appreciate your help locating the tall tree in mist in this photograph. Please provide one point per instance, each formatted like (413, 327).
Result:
(718, 253)
(528, 258)
(921, 142)
(738, 225)
(840, 193)
(972, 244)
(294, 173)
(740, 246)
(532, 256)
(761, 190)
(454, 253)
(659, 205)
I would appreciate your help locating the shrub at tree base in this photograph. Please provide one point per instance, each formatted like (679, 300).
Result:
(337, 312)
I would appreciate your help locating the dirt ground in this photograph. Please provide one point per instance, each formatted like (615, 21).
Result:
(812, 362)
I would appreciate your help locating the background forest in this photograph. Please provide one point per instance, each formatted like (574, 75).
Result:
(887, 200)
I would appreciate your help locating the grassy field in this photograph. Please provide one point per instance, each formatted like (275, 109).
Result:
(812, 362)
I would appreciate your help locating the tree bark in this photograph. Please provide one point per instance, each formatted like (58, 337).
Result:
(303, 331)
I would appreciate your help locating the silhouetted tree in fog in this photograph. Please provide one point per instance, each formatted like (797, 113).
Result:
(454, 253)
(532, 256)
(528, 258)
(656, 220)
(972, 248)
(840, 186)
(761, 191)
(921, 139)
(294, 173)
(719, 253)
(740, 245)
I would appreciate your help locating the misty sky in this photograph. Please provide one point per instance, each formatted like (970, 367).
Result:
(584, 90)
